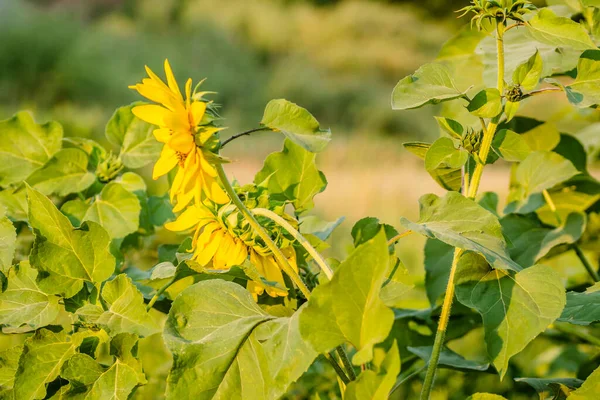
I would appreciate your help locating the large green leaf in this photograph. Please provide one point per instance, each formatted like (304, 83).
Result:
(582, 308)
(43, 356)
(8, 241)
(25, 146)
(444, 161)
(67, 172)
(348, 308)
(461, 222)
(584, 91)
(547, 27)
(376, 383)
(9, 362)
(528, 74)
(430, 84)
(126, 310)
(23, 303)
(516, 307)
(292, 175)
(510, 146)
(438, 259)
(116, 209)
(541, 170)
(297, 124)
(530, 240)
(66, 257)
(221, 340)
(589, 389)
(134, 137)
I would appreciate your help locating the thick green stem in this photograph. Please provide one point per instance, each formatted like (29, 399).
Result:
(474, 182)
(346, 361)
(299, 238)
(160, 291)
(441, 330)
(330, 357)
(260, 231)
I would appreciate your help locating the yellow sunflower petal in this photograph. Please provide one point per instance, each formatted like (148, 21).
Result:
(213, 191)
(171, 80)
(185, 221)
(197, 110)
(204, 236)
(151, 113)
(188, 92)
(183, 200)
(203, 257)
(155, 78)
(163, 135)
(224, 252)
(167, 161)
(182, 142)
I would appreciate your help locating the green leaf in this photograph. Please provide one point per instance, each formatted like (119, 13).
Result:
(510, 146)
(589, 389)
(348, 307)
(531, 240)
(582, 308)
(461, 222)
(584, 90)
(292, 175)
(444, 162)
(516, 307)
(15, 202)
(367, 228)
(567, 201)
(23, 303)
(547, 27)
(430, 84)
(485, 396)
(528, 74)
(81, 370)
(8, 241)
(510, 109)
(486, 104)
(43, 356)
(314, 225)
(67, 172)
(419, 149)
(126, 309)
(297, 124)
(116, 209)
(9, 362)
(450, 126)
(449, 359)
(221, 340)
(66, 257)
(547, 388)
(438, 259)
(542, 137)
(117, 383)
(26, 146)
(134, 137)
(541, 170)
(376, 383)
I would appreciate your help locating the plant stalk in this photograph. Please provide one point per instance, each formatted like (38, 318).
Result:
(160, 291)
(340, 372)
(472, 193)
(346, 361)
(246, 133)
(299, 238)
(398, 237)
(260, 231)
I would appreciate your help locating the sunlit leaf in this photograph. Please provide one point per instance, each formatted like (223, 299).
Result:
(26, 146)
(528, 74)
(297, 124)
(461, 222)
(24, 303)
(348, 308)
(486, 104)
(66, 257)
(430, 84)
(547, 27)
(293, 175)
(67, 172)
(116, 209)
(9, 362)
(376, 383)
(8, 241)
(221, 340)
(584, 90)
(589, 389)
(510, 146)
(315, 226)
(444, 161)
(516, 307)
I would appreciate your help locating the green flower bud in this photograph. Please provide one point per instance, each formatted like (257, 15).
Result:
(109, 168)
(471, 141)
(514, 93)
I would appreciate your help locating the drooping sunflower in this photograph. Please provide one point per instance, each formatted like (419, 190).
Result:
(223, 239)
(183, 130)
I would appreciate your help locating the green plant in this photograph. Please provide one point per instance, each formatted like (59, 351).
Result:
(219, 289)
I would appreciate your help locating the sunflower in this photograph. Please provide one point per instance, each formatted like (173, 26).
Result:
(222, 239)
(182, 129)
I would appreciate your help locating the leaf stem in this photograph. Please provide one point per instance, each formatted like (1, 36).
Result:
(337, 368)
(398, 237)
(346, 361)
(441, 330)
(586, 264)
(486, 144)
(299, 238)
(260, 231)
(160, 291)
(245, 133)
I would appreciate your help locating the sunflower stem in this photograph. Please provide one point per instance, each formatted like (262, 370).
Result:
(299, 238)
(160, 291)
(246, 133)
(260, 231)
(398, 237)
(329, 357)
(346, 361)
